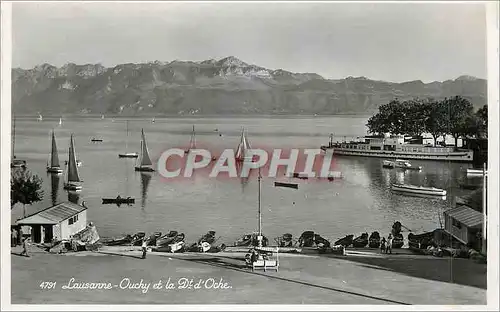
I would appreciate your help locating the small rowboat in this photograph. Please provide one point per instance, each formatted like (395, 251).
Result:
(407, 188)
(96, 140)
(118, 201)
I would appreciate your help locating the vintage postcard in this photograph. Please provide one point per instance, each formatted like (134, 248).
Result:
(236, 155)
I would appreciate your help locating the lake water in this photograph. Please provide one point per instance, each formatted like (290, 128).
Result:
(361, 202)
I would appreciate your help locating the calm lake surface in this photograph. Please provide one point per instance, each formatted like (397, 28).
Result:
(361, 202)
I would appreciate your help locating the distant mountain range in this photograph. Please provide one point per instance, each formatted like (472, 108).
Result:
(213, 87)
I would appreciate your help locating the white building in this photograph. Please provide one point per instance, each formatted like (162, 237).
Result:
(57, 223)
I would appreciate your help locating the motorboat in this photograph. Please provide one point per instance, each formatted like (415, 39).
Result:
(400, 163)
(407, 188)
(360, 241)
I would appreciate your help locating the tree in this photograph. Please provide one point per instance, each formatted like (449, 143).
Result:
(413, 117)
(482, 115)
(435, 123)
(458, 112)
(388, 119)
(25, 188)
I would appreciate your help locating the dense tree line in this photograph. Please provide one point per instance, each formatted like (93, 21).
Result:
(454, 116)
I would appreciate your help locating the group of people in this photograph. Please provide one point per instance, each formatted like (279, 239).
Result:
(386, 245)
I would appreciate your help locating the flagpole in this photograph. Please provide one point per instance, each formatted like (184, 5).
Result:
(483, 247)
(260, 212)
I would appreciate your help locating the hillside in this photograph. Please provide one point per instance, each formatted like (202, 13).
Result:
(226, 86)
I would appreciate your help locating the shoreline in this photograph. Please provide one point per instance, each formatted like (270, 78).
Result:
(309, 279)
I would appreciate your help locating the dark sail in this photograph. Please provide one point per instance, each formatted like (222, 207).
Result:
(73, 175)
(145, 159)
(54, 157)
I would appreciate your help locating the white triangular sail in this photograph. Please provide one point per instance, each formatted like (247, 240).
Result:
(54, 156)
(192, 142)
(145, 160)
(243, 147)
(60, 121)
(73, 175)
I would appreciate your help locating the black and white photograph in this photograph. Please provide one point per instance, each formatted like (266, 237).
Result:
(302, 155)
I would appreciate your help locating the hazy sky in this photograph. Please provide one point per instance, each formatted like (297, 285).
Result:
(393, 42)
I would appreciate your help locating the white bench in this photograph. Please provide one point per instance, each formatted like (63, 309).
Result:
(265, 264)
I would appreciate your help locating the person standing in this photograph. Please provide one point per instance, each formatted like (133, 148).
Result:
(14, 238)
(383, 244)
(26, 244)
(144, 248)
(389, 244)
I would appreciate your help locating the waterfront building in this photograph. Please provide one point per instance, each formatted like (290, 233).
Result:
(57, 222)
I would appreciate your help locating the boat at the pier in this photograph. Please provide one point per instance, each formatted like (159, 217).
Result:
(204, 244)
(119, 241)
(311, 239)
(144, 160)
(360, 241)
(346, 241)
(250, 240)
(397, 147)
(374, 240)
(138, 238)
(153, 238)
(170, 238)
(418, 189)
(118, 200)
(54, 166)
(420, 241)
(285, 240)
(128, 154)
(471, 172)
(398, 239)
(400, 163)
(73, 181)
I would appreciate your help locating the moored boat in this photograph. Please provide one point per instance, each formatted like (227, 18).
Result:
(360, 241)
(128, 154)
(398, 240)
(346, 241)
(54, 166)
(73, 181)
(475, 172)
(418, 189)
(138, 238)
(396, 147)
(374, 240)
(170, 238)
(251, 240)
(145, 163)
(400, 163)
(120, 241)
(286, 240)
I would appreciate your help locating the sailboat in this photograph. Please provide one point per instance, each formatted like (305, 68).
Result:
(243, 147)
(145, 163)
(128, 154)
(60, 121)
(54, 166)
(192, 142)
(153, 120)
(102, 116)
(16, 163)
(72, 181)
(40, 118)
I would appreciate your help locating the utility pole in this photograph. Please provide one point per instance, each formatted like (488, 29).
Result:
(259, 238)
(485, 218)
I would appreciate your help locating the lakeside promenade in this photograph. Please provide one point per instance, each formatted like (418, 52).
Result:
(358, 278)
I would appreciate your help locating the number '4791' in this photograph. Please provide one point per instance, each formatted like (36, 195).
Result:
(48, 285)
